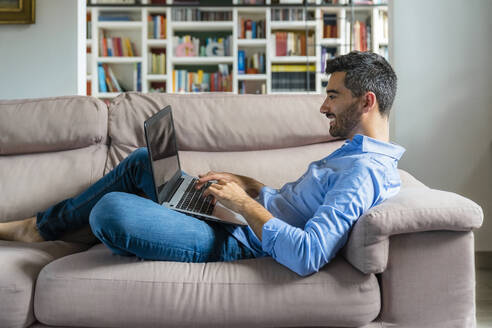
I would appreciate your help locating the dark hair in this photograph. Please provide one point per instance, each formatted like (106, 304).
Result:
(367, 71)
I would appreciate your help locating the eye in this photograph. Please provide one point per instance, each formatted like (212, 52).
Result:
(331, 97)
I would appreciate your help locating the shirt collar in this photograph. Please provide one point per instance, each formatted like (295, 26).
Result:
(371, 145)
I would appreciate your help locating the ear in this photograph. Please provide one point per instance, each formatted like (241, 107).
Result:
(368, 101)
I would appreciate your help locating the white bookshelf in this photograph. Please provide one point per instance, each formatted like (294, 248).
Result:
(137, 31)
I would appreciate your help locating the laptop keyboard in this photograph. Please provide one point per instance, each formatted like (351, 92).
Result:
(194, 201)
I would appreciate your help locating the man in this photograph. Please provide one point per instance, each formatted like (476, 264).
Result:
(302, 225)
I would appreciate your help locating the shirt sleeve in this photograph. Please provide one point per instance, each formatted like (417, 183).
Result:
(305, 251)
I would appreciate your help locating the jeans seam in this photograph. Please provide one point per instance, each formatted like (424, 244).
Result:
(94, 196)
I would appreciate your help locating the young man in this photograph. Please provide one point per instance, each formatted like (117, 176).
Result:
(302, 225)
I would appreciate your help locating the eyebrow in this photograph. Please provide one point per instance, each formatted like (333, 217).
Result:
(332, 91)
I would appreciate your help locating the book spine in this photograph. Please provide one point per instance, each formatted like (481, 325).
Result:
(101, 78)
(241, 61)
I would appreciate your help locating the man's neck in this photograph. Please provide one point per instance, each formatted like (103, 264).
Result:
(378, 129)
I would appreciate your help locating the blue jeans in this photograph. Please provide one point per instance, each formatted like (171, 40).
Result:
(132, 225)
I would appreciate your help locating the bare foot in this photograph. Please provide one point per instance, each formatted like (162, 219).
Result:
(23, 230)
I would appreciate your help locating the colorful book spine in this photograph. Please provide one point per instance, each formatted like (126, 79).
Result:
(241, 59)
(101, 78)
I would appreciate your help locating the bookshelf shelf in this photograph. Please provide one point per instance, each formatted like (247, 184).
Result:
(197, 26)
(116, 60)
(292, 59)
(293, 25)
(120, 25)
(330, 42)
(251, 77)
(251, 42)
(156, 77)
(330, 28)
(157, 42)
(202, 60)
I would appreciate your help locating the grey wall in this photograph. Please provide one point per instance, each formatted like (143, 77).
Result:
(441, 53)
(40, 60)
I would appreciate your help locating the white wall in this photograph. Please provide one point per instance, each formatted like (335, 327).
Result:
(441, 52)
(40, 60)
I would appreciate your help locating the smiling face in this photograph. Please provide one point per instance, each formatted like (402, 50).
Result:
(341, 107)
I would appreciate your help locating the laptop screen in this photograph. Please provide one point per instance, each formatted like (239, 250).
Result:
(161, 141)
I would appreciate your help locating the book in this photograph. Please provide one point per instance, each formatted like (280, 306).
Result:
(101, 78)
(114, 80)
(241, 59)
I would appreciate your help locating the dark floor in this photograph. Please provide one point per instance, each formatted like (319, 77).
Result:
(484, 289)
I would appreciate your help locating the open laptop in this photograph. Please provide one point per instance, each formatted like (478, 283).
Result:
(174, 189)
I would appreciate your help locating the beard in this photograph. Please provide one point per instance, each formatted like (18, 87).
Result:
(346, 121)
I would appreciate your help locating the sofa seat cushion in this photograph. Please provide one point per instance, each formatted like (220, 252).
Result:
(21, 263)
(98, 289)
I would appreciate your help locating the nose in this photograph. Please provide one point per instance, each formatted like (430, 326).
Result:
(324, 107)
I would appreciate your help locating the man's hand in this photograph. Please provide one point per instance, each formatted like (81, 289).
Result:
(229, 193)
(250, 185)
(234, 197)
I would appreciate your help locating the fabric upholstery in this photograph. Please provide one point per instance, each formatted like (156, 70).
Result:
(33, 182)
(51, 124)
(244, 293)
(430, 280)
(216, 122)
(414, 209)
(21, 264)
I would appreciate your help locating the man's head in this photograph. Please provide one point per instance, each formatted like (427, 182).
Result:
(360, 93)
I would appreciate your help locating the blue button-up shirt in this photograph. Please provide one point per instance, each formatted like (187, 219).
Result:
(313, 215)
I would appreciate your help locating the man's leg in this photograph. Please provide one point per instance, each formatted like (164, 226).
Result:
(131, 225)
(132, 175)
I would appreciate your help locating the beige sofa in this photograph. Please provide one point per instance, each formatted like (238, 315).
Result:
(409, 262)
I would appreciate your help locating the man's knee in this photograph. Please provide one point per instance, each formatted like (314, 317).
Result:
(104, 212)
(140, 154)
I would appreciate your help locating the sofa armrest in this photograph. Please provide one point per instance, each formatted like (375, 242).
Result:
(414, 209)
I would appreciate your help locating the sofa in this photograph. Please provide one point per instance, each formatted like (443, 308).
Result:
(408, 262)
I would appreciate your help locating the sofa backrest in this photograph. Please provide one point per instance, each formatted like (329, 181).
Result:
(50, 149)
(269, 137)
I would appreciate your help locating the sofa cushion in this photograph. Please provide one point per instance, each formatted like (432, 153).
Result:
(216, 122)
(33, 182)
(98, 289)
(51, 124)
(21, 263)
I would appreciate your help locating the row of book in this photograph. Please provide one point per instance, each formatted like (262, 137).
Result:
(330, 26)
(157, 87)
(361, 36)
(253, 64)
(116, 46)
(252, 87)
(157, 62)
(190, 46)
(293, 44)
(293, 78)
(109, 83)
(251, 29)
(185, 81)
(156, 27)
(291, 14)
(189, 14)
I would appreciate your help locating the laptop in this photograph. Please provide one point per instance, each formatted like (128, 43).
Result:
(174, 189)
